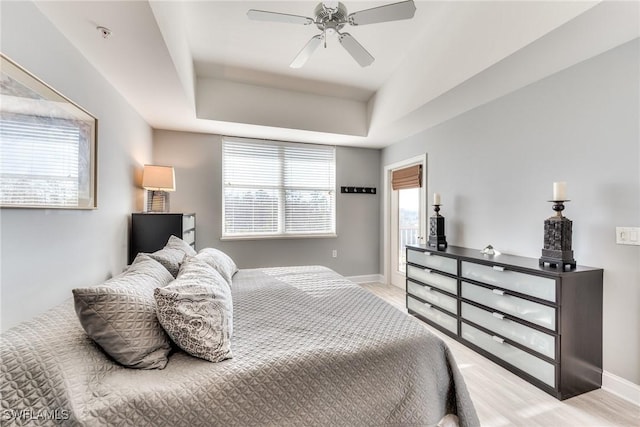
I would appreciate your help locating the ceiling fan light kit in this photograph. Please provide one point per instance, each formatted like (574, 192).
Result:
(330, 18)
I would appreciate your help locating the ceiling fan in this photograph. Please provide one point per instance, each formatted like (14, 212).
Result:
(330, 18)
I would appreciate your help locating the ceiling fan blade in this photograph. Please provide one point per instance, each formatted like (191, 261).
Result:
(389, 12)
(263, 15)
(306, 52)
(356, 50)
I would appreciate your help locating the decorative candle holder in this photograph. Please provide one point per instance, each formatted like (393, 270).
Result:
(437, 237)
(557, 251)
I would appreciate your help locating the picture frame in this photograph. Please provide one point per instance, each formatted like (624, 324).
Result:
(48, 145)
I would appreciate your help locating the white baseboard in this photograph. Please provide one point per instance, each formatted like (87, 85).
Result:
(367, 278)
(621, 387)
(399, 286)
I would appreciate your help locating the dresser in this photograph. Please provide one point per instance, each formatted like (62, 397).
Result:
(150, 231)
(543, 324)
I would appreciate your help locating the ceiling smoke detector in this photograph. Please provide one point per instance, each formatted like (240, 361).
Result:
(104, 32)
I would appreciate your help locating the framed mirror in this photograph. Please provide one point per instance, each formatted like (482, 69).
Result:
(47, 145)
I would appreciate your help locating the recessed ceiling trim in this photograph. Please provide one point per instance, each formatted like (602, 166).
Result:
(226, 101)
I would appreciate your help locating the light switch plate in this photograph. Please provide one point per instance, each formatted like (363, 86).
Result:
(628, 235)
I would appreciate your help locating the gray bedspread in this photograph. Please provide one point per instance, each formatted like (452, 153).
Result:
(309, 348)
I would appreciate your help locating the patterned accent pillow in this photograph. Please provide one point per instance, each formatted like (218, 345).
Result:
(173, 254)
(120, 315)
(220, 261)
(196, 311)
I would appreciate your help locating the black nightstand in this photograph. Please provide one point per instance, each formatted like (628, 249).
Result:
(150, 231)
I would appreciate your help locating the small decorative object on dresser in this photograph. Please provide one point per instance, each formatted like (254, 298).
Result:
(437, 237)
(557, 233)
(150, 231)
(543, 324)
(490, 250)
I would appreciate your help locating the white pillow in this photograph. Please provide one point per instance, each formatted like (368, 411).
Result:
(220, 261)
(196, 311)
(173, 254)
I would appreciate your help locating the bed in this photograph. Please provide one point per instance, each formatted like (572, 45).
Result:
(309, 348)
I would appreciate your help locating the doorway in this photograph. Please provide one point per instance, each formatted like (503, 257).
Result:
(405, 219)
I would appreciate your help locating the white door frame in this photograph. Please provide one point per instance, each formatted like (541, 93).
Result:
(386, 217)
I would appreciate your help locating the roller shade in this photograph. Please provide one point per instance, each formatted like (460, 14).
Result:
(410, 177)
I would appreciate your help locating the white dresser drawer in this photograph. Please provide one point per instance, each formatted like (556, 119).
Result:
(538, 341)
(538, 368)
(434, 297)
(528, 284)
(431, 260)
(533, 312)
(436, 316)
(188, 222)
(429, 277)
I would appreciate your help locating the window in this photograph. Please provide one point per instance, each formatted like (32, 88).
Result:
(277, 189)
(47, 145)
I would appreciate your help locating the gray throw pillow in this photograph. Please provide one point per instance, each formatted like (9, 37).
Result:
(196, 311)
(220, 261)
(120, 315)
(173, 254)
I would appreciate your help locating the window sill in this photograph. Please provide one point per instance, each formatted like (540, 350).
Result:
(281, 237)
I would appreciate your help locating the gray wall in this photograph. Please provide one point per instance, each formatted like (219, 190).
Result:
(45, 253)
(495, 166)
(197, 161)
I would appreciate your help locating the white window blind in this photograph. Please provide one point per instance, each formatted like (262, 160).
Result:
(41, 162)
(276, 189)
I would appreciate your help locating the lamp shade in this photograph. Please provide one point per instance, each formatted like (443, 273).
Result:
(160, 178)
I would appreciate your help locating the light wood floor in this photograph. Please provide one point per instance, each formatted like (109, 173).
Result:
(503, 399)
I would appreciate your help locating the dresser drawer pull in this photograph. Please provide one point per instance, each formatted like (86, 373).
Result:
(498, 339)
(498, 315)
(426, 270)
(498, 268)
(428, 305)
(427, 253)
(498, 291)
(427, 288)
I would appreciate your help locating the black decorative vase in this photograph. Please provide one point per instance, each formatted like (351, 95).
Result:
(437, 238)
(557, 250)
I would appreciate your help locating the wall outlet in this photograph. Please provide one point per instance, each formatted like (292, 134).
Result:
(628, 235)
(334, 253)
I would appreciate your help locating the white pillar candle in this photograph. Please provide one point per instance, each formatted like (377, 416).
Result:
(560, 190)
(436, 198)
